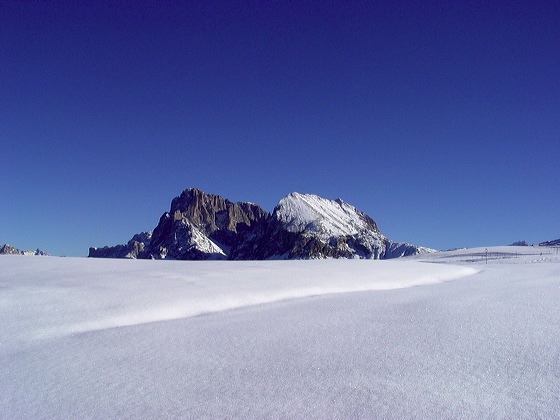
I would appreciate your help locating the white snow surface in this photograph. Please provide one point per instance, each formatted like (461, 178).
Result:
(319, 215)
(337, 339)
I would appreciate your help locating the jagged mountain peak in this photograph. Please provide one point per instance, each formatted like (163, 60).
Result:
(210, 213)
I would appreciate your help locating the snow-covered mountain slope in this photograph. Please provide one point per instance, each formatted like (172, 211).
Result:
(317, 215)
(302, 226)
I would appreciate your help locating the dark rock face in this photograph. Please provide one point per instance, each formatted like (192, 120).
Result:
(520, 243)
(267, 240)
(211, 213)
(204, 226)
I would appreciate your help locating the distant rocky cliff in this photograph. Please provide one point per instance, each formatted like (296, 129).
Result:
(302, 226)
(10, 250)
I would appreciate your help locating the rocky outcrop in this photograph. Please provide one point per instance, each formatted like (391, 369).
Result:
(10, 250)
(302, 226)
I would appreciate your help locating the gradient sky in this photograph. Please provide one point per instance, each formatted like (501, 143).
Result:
(439, 119)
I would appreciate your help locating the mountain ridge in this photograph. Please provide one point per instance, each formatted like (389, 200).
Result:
(301, 226)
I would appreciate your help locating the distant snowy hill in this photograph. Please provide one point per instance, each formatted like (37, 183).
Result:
(302, 226)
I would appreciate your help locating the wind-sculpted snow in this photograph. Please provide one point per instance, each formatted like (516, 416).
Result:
(336, 339)
(67, 296)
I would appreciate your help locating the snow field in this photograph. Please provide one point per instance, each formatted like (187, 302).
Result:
(74, 295)
(91, 339)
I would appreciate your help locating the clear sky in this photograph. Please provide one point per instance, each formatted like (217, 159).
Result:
(439, 119)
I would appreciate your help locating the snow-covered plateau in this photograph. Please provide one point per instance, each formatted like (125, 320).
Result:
(459, 334)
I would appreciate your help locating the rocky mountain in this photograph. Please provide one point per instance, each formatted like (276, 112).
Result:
(203, 226)
(555, 242)
(302, 226)
(10, 250)
(306, 226)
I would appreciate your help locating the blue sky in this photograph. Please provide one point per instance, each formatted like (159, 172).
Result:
(439, 119)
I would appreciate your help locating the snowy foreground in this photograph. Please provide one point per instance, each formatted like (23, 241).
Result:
(93, 338)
